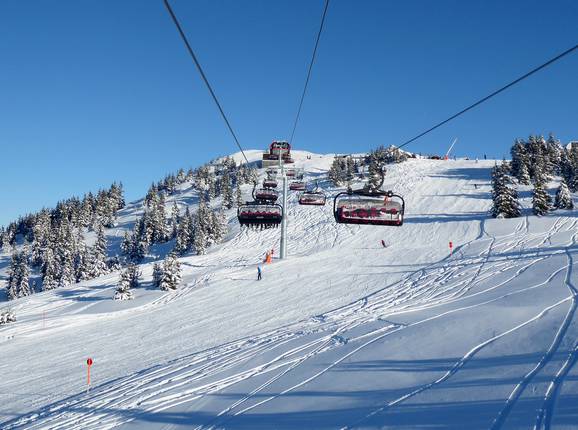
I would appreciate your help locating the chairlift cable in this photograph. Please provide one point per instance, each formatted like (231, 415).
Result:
(200, 69)
(309, 71)
(495, 93)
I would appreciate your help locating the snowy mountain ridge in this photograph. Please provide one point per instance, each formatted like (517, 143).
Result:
(344, 333)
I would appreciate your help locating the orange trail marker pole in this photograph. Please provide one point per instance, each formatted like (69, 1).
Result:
(88, 363)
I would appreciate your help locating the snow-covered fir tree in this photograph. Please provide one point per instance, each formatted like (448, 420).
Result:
(175, 214)
(520, 161)
(563, 197)
(171, 273)
(227, 189)
(201, 239)
(113, 264)
(129, 279)
(184, 233)
(375, 171)
(49, 271)
(541, 201)
(524, 175)
(337, 172)
(99, 254)
(238, 194)
(18, 276)
(157, 274)
(126, 246)
(7, 316)
(553, 152)
(504, 196)
(84, 264)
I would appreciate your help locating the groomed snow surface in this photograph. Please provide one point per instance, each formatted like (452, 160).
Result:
(344, 333)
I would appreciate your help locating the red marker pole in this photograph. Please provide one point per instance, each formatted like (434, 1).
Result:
(88, 363)
(451, 248)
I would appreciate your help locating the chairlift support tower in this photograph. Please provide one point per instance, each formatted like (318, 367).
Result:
(283, 243)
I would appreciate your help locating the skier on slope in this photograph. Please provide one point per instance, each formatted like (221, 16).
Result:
(258, 273)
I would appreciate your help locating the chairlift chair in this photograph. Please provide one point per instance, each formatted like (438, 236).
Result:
(297, 186)
(269, 183)
(258, 215)
(373, 207)
(266, 195)
(312, 198)
(262, 212)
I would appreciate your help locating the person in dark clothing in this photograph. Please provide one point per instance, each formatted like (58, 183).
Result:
(258, 273)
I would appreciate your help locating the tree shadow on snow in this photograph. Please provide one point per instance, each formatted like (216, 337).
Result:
(442, 218)
(483, 174)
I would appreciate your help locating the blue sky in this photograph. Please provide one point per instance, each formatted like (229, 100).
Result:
(94, 91)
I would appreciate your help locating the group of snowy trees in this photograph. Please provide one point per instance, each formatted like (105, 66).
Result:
(198, 231)
(192, 232)
(345, 168)
(535, 161)
(7, 316)
(167, 276)
(218, 178)
(53, 242)
(129, 279)
(504, 194)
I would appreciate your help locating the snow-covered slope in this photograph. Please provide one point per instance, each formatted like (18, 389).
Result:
(343, 333)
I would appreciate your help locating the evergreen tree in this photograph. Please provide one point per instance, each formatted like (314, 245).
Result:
(541, 201)
(375, 171)
(566, 170)
(99, 254)
(157, 274)
(141, 240)
(226, 189)
(336, 173)
(126, 245)
(349, 169)
(7, 316)
(554, 152)
(238, 194)
(126, 282)
(523, 175)
(505, 197)
(182, 243)
(171, 273)
(211, 185)
(174, 220)
(49, 271)
(18, 276)
(83, 265)
(563, 197)
(113, 264)
(24, 284)
(520, 161)
(200, 241)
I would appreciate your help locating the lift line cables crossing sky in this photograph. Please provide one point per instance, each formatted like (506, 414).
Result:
(309, 71)
(495, 93)
(200, 69)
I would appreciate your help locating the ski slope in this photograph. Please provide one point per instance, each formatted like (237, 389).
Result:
(342, 334)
